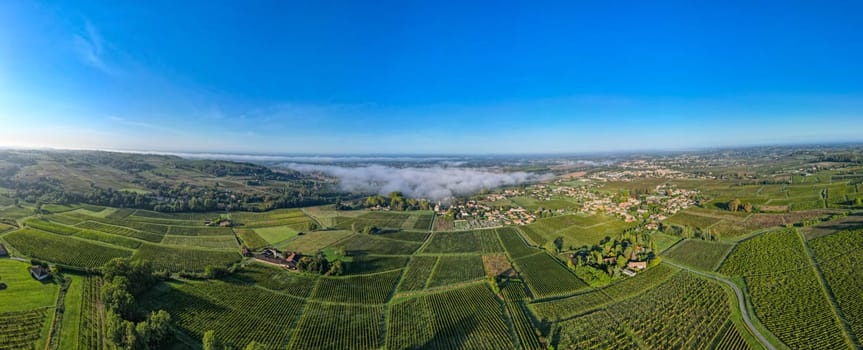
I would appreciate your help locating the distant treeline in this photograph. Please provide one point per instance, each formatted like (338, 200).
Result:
(163, 190)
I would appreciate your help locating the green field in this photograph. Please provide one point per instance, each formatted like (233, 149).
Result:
(276, 234)
(25, 306)
(24, 292)
(315, 241)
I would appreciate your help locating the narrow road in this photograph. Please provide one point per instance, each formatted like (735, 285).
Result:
(740, 302)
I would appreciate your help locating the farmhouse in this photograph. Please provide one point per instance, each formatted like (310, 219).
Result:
(3, 252)
(637, 265)
(273, 257)
(39, 272)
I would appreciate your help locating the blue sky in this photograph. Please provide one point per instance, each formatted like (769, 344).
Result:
(429, 77)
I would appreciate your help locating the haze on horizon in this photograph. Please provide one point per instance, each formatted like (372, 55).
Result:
(309, 77)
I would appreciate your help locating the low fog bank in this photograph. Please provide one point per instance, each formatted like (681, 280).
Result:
(433, 183)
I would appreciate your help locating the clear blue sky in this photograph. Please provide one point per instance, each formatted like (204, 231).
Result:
(429, 77)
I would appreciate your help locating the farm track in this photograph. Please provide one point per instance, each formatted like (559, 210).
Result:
(741, 304)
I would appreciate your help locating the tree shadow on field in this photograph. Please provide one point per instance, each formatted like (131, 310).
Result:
(454, 336)
(851, 222)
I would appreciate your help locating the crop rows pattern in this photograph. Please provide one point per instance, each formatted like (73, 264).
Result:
(840, 256)
(466, 318)
(20, 330)
(63, 250)
(546, 276)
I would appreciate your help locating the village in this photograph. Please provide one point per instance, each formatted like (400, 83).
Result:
(486, 211)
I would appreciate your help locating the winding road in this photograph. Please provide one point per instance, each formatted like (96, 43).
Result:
(740, 302)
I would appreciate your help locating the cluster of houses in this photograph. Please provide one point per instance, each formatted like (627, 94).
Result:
(272, 256)
(478, 214)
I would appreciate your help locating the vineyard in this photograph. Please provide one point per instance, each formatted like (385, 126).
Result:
(771, 252)
(704, 255)
(558, 309)
(333, 326)
(453, 242)
(597, 330)
(466, 318)
(90, 331)
(121, 231)
(177, 259)
(786, 291)
(418, 272)
(364, 264)
(384, 220)
(63, 250)
(514, 298)
(363, 289)
(212, 242)
(840, 255)
(199, 231)
(21, 329)
(513, 243)
(251, 239)
(683, 312)
(546, 276)
(237, 313)
(488, 241)
(410, 236)
(454, 269)
(732, 340)
(275, 279)
(375, 244)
